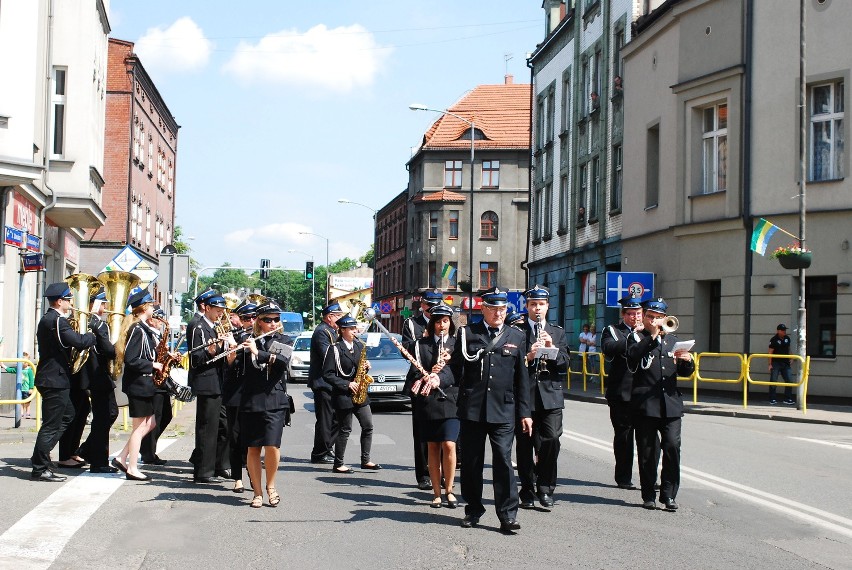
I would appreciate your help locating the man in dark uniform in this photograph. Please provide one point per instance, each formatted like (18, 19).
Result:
(96, 379)
(494, 389)
(162, 400)
(546, 400)
(412, 330)
(325, 430)
(619, 383)
(656, 403)
(56, 338)
(780, 344)
(205, 379)
(200, 302)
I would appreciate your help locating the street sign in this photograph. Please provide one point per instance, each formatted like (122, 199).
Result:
(145, 272)
(33, 261)
(377, 307)
(14, 236)
(620, 284)
(33, 243)
(386, 307)
(126, 259)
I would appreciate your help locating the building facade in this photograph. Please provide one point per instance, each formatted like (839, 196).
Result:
(447, 200)
(389, 277)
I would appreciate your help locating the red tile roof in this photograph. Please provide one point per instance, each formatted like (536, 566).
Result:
(441, 195)
(501, 112)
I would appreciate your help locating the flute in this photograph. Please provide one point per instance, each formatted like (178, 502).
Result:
(240, 346)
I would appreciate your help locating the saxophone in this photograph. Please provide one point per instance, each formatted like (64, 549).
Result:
(362, 378)
(164, 357)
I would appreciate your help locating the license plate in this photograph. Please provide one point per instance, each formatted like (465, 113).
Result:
(381, 388)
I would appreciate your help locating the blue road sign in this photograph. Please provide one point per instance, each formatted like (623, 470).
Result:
(33, 243)
(620, 284)
(14, 236)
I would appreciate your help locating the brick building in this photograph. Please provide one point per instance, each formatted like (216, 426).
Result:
(389, 276)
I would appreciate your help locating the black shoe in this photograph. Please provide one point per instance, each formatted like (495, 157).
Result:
(103, 469)
(75, 465)
(154, 461)
(342, 470)
(324, 459)
(118, 464)
(48, 476)
(527, 499)
(510, 526)
(371, 466)
(545, 500)
(207, 479)
(629, 486)
(132, 477)
(650, 505)
(223, 473)
(469, 521)
(669, 504)
(527, 504)
(424, 484)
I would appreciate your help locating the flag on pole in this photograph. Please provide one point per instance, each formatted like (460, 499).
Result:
(448, 271)
(763, 232)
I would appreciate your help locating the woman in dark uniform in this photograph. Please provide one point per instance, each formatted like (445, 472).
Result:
(435, 413)
(135, 354)
(264, 406)
(232, 393)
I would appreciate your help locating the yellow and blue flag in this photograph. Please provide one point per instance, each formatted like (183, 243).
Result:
(763, 232)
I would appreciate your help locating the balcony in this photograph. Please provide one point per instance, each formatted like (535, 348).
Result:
(78, 209)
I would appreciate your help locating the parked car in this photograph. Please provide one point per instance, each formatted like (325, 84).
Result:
(300, 360)
(388, 368)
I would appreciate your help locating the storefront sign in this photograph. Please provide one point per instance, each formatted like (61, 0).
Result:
(51, 235)
(24, 214)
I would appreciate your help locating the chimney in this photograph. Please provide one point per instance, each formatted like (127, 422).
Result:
(554, 11)
(509, 79)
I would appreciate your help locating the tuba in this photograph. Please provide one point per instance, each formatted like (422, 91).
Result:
(362, 378)
(117, 287)
(82, 285)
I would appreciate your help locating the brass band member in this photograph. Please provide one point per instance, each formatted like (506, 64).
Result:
(198, 317)
(435, 413)
(136, 352)
(264, 407)
(326, 428)
(162, 399)
(55, 337)
(339, 370)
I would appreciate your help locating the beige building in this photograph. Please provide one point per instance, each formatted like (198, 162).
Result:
(711, 138)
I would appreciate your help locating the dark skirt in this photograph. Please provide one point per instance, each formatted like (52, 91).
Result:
(262, 428)
(140, 407)
(440, 430)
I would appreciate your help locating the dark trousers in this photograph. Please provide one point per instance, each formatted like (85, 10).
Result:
(652, 436)
(622, 440)
(95, 449)
(344, 424)
(236, 449)
(503, 476)
(421, 451)
(208, 412)
(326, 428)
(57, 411)
(163, 417)
(784, 372)
(544, 443)
(69, 442)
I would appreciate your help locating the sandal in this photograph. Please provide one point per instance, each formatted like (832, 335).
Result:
(256, 502)
(436, 503)
(274, 497)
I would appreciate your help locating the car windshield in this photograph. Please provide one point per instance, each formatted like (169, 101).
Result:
(303, 343)
(385, 351)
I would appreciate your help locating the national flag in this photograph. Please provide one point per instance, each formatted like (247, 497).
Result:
(448, 271)
(763, 232)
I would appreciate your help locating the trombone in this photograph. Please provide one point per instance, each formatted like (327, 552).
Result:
(89, 313)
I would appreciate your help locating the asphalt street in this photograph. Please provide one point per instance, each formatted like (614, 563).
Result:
(754, 494)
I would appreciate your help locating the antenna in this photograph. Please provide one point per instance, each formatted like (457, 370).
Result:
(506, 58)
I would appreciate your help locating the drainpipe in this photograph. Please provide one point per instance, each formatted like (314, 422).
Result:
(748, 218)
(530, 172)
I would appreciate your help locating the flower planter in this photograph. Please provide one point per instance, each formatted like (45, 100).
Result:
(795, 260)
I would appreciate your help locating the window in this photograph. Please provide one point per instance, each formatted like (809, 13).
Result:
(616, 59)
(541, 115)
(537, 215)
(550, 113)
(584, 80)
(826, 132)
(488, 225)
(487, 275)
(433, 274)
(715, 151)
(142, 145)
(582, 194)
(490, 173)
(548, 211)
(150, 155)
(596, 185)
(433, 225)
(566, 100)
(453, 274)
(454, 224)
(617, 179)
(137, 136)
(594, 95)
(821, 307)
(652, 166)
(60, 76)
(564, 193)
(452, 174)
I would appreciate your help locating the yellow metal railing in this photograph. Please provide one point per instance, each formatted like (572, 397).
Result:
(585, 373)
(34, 395)
(803, 377)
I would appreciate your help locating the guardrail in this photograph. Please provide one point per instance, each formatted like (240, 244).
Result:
(34, 395)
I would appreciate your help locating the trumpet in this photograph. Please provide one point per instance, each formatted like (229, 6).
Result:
(89, 313)
(670, 325)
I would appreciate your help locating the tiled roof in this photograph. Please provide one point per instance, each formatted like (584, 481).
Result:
(441, 195)
(501, 112)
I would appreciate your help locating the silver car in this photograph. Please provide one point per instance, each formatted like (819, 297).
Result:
(300, 360)
(388, 369)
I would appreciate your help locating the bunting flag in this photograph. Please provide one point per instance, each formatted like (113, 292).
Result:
(763, 232)
(448, 271)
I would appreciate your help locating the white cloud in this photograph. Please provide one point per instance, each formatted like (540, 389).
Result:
(270, 234)
(180, 47)
(339, 59)
(277, 238)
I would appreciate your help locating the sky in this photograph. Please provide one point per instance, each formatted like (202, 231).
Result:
(287, 106)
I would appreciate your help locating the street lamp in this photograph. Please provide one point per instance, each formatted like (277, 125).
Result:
(421, 107)
(313, 287)
(327, 269)
(347, 201)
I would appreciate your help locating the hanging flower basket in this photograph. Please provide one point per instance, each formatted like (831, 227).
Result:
(793, 256)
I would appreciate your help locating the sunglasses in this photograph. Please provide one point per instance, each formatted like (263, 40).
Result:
(271, 319)
(247, 317)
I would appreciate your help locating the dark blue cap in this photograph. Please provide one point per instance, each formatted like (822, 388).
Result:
(216, 301)
(333, 308)
(346, 322)
(58, 291)
(781, 327)
(441, 310)
(537, 292)
(140, 298)
(205, 295)
(246, 308)
(656, 305)
(514, 318)
(495, 297)
(630, 303)
(159, 313)
(98, 295)
(268, 308)
(432, 296)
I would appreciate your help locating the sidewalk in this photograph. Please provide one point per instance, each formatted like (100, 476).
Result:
(716, 403)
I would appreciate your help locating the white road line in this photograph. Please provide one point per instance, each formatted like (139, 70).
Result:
(824, 442)
(56, 519)
(813, 515)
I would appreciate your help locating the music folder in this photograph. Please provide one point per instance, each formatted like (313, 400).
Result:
(547, 352)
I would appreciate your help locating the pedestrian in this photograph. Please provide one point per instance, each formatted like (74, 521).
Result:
(326, 428)
(592, 351)
(780, 344)
(27, 383)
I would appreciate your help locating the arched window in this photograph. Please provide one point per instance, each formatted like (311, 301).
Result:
(488, 225)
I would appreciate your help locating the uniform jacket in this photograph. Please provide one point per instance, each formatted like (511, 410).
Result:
(548, 381)
(619, 381)
(234, 374)
(494, 386)
(324, 336)
(655, 373)
(205, 377)
(56, 338)
(95, 374)
(434, 406)
(264, 381)
(412, 330)
(139, 355)
(339, 370)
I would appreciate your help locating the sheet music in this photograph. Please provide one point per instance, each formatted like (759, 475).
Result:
(683, 345)
(547, 352)
(281, 349)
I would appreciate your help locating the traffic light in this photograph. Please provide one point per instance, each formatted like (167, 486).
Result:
(264, 269)
(309, 270)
